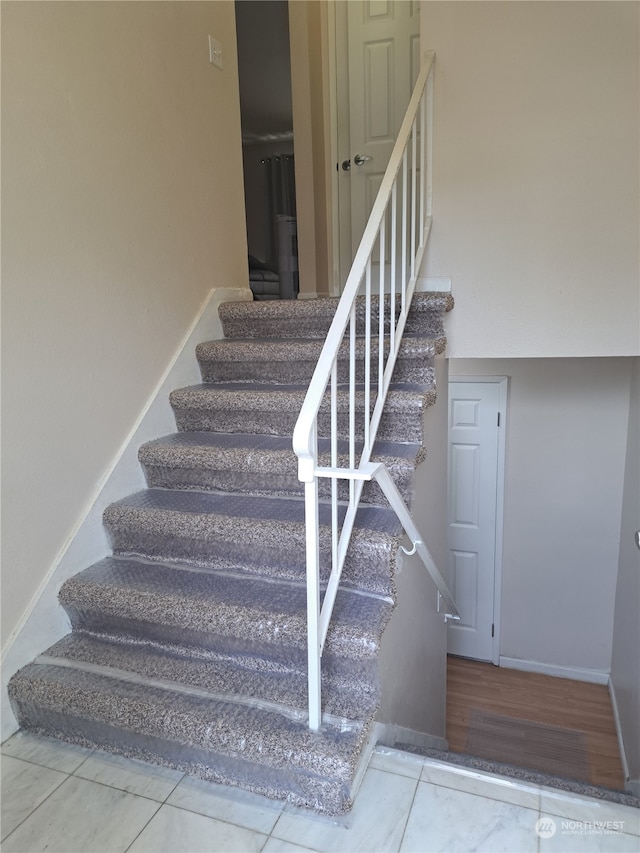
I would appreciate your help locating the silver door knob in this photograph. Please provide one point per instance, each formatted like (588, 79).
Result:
(359, 159)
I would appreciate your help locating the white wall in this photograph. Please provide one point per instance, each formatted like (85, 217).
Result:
(565, 462)
(625, 661)
(536, 203)
(122, 207)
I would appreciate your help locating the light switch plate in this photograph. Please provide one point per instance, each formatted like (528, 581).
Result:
(215, 52)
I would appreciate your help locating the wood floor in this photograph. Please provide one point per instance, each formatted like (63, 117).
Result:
(559, 702)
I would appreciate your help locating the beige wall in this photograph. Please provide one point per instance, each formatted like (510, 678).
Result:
(413, 658)
(122, 206)
(536, 203)
(565, 460)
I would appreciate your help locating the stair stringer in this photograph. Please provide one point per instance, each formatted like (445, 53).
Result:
(44, 621)
(413, 652)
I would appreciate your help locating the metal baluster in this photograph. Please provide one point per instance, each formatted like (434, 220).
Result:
(367, 355)
(313, 593)
(404, 229)
(392, 288)
(422, 171)
(334, 464)
(382, 235)
(352, 399)
(413, 199)
(429, 141)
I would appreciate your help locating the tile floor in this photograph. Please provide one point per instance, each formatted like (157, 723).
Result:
(58, 797)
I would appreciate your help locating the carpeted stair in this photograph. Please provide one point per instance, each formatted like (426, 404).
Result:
(188, 644)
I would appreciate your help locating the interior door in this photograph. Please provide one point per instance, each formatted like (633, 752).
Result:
(383, 61)
(474, 445)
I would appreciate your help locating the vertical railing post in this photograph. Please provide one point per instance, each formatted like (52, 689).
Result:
(405, 214)
(312, 520)
(429, 142)
(423, 184)
(414, 168)
(382, 258)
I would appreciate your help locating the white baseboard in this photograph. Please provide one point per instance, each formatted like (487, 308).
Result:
(575, 673)
(313, 295)
(44, 621)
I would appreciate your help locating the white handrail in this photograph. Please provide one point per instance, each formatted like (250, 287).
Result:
(414, 223)
(313, 399)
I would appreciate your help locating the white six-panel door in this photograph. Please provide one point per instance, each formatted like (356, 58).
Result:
(474, 481)
(384, 61)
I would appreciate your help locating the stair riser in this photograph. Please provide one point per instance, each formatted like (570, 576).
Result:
(302, 789)
(394, 426)
(367, 564)
(100, 624)
(290, 651)
(296, 371)
(350, 690)
(424, 322)
(282, 483)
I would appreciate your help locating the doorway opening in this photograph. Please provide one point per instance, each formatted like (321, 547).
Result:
(376, 61)
(264, 71)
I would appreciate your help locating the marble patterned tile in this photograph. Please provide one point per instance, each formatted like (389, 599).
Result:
(24, 787)
(47, 751)
(396, 761)
(588, 810)
(224, 803)
(177, 831)
(562, 835)
(82, 817)
(445, 820)
(127, 774)
(376, 822)
(483, 784)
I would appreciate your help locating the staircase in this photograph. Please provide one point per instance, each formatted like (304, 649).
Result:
(188, 644)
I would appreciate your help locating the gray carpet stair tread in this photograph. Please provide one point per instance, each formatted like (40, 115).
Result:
(251, 507)
(257, 407)
(216, 611)
(303, 349)
(215, 739)
(249, 534)
(262, 464)
(313, 317)
(351, 695)
(241, 396)
(279, 361)
(273, 443)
